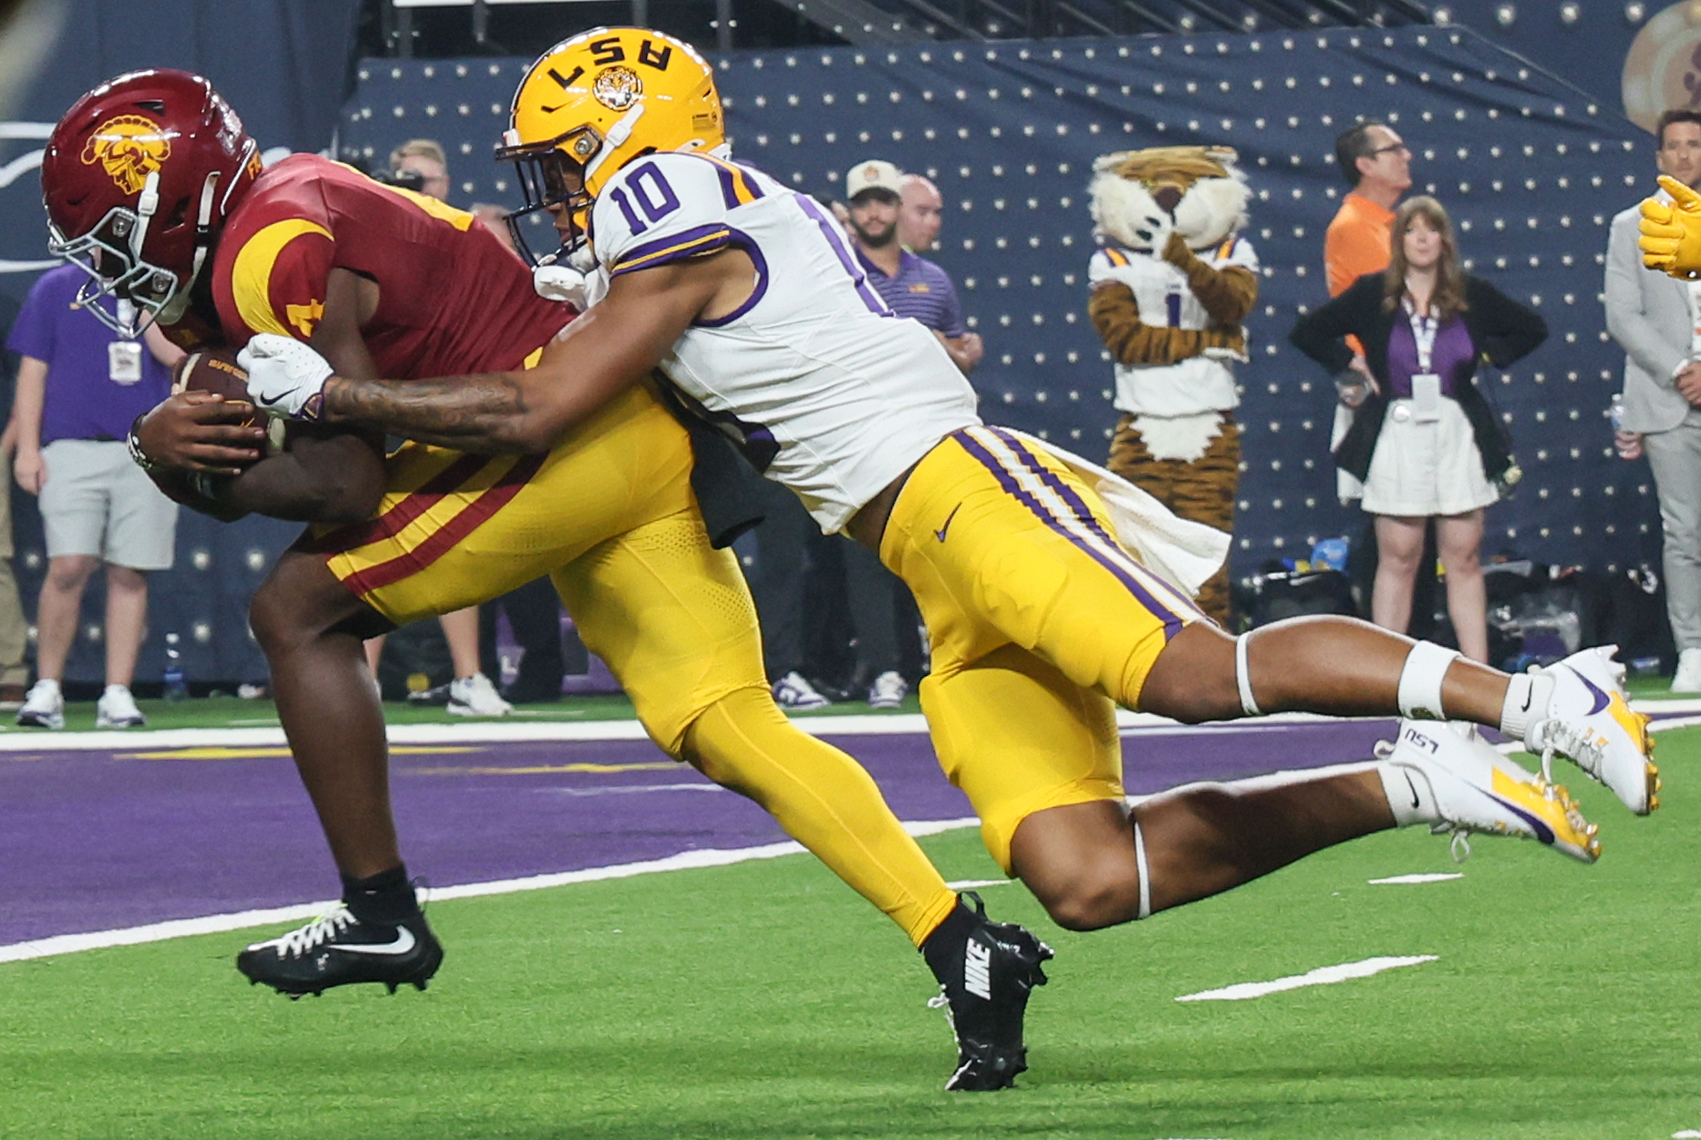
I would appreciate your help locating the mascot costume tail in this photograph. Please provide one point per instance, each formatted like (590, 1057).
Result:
(1171, 285)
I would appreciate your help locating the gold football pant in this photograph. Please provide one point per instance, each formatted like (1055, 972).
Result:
(610, 517)
(1040, 622)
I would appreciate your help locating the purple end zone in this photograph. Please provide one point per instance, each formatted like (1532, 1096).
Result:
(97, 841)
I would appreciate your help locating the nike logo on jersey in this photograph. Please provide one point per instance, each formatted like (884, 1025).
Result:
(1601, 699)
(977, 970)
(940, 533)
(403, 943)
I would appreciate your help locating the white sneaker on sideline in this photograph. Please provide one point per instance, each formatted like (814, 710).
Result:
(1589, 721)
(44, 706)
(1688, 678)
(476, 696)
(117, 709)
(888, 690)
(1466, 786)
(793, 691)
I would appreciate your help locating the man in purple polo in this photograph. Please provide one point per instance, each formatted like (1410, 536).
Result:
(914, 287)
(911, 285)
(80, 384)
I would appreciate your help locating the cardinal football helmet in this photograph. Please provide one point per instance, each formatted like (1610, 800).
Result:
(593, 103)
(137, 178)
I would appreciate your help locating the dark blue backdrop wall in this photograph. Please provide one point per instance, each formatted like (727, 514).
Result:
(285, 65)
(1532, 169)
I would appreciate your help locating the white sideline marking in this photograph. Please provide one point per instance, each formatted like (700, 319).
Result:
(243, 920)
(13, 739)
(1687, 1134)
(1401, 880)
(1322, 976)
(632, 789)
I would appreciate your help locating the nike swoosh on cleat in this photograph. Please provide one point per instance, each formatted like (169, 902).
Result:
(1601, 699)
(1544, 833)
(940, 533)
(272, 403)
(403, 943)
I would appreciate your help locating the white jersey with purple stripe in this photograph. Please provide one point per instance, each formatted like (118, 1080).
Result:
(825, 390)
(1165, 300)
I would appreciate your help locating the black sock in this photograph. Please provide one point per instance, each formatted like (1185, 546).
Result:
(385, 898)
(943, 949)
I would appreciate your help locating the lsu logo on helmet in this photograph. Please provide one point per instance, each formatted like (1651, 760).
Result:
(128, 148)
(618, 88)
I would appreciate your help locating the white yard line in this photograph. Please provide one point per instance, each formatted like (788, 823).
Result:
(243, 920)
(1402, 880)
(1322, 976)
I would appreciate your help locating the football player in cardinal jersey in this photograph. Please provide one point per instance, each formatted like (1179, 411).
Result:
(152, 185)
(1047, 604)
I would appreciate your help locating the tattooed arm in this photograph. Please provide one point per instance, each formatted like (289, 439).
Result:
(603, 353)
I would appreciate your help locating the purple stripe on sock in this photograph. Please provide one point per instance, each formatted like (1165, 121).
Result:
(1172, 623)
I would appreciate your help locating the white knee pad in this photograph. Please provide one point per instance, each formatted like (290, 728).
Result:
(1243, 678)
(1145, 878)
(1420, 680)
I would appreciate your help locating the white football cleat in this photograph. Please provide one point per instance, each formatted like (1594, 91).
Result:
(1589, 721)
(1464, 786)
(476, 696)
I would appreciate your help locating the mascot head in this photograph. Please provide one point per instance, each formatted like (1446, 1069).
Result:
(1140, 196)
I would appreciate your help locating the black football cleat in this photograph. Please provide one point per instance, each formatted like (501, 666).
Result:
(340, 950)
(984, 985)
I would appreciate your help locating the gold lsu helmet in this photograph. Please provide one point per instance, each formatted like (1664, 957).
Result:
(595, 102)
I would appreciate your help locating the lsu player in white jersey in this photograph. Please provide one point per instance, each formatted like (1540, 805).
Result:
(1043, 617)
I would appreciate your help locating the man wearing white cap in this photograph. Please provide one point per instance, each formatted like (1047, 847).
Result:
(913, 287)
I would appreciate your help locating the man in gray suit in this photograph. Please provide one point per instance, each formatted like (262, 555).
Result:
(1656, 320)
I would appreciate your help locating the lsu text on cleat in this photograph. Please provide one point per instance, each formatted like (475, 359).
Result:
(1463, 787)
(986, 971)
(338, 950)
(1588, 720)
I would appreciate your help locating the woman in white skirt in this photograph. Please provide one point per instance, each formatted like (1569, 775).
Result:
(1424, 440)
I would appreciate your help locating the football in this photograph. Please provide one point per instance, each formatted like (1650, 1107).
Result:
(216, 370)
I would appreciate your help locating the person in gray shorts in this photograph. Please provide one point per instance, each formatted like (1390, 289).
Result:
(80, 384)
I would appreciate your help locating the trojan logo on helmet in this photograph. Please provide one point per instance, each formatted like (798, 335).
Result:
(137, 178)
(129, 148)
(595, 102)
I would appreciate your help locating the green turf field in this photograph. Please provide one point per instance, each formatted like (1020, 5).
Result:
(764, 1000)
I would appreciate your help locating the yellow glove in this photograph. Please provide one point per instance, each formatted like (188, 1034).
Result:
(1671, 231)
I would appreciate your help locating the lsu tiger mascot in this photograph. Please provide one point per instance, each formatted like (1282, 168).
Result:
(1171, 284)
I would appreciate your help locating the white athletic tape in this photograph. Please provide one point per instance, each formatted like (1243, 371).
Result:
(1243, 678)
(1145, 879)
(1420, 680)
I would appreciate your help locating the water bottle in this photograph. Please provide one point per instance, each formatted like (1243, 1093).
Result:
(1628, 444)
(176, 685)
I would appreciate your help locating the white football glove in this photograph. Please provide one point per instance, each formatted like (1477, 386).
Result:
(286, 378)
(570, 286)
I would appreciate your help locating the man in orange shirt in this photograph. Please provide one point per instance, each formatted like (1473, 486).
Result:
(1377, 165)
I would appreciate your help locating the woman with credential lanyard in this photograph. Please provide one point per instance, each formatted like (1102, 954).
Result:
(1424, 441)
